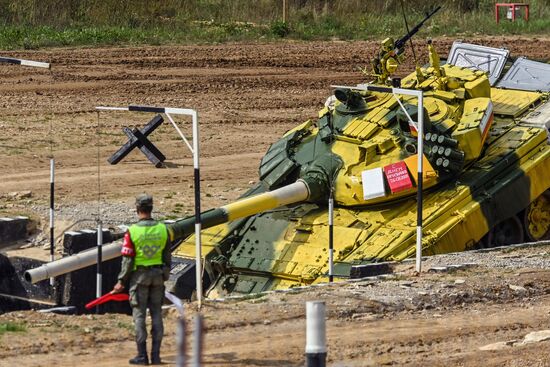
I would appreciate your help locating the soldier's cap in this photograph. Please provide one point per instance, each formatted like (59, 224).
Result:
(144, 200)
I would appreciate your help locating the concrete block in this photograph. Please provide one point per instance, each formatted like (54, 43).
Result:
(13, 229)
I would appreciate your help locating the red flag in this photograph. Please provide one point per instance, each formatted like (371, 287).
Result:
(107, 298)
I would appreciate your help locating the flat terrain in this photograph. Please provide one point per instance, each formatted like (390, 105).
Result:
(247, 95)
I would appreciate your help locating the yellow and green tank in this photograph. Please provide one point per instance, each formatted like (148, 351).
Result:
(486, 183)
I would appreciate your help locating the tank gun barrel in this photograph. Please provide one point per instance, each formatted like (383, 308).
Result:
(72, 263)
(296, 192)
(313, 186)
(400, 43)
(293, 193)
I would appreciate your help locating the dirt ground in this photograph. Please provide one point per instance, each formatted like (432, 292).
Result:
(438, 319)
(247, 95)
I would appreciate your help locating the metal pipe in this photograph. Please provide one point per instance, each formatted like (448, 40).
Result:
(72, 263)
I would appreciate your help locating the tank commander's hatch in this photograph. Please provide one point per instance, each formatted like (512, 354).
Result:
(488, 59)
(527, 74)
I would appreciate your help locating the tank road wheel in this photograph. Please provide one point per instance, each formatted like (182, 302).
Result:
(507, 232)
(537, 218)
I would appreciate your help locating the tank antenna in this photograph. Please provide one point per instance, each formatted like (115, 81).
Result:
(408, 31)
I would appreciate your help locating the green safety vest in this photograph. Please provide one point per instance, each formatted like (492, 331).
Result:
(149, 241)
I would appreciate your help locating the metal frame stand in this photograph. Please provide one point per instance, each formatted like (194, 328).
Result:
(420, 129)
(168, 111)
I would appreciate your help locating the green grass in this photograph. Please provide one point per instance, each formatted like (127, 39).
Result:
(28, 24)
(11, 327)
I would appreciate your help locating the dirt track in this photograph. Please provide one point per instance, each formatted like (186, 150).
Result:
(434, 319)
(247, 95)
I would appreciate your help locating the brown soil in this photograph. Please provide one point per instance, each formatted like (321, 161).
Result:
(447, 325)
(247, 95)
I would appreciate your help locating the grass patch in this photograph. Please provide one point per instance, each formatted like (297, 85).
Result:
(304, 26)
(6, 327)
(29, 24)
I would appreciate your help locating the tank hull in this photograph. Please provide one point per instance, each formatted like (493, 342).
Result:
(289, 247)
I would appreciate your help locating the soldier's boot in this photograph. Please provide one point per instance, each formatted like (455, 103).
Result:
(155, 352)
(141, 358)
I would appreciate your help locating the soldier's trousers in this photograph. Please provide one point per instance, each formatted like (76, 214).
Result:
(147, 291)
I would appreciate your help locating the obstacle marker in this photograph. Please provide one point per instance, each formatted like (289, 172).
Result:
(316, 341)
(36, 64)
(138, 139)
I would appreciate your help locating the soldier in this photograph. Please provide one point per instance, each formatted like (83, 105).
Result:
(145, 266)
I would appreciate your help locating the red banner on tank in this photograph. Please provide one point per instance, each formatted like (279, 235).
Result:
(398, 177)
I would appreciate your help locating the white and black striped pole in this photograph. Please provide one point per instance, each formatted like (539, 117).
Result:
(420, 143)
(99, 276)
(52, 191)
(99, 236)
(316, 341)
(198, 248)
(168, 111)
(331, 236)
(36, 64)
(420, 182)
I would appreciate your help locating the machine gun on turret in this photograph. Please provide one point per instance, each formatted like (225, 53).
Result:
(399, 46)
(388, 58)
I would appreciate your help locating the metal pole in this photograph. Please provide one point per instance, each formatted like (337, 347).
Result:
(316, 343)
(181, 343)
(197, 341)
(420, 179)
(197, 178)
(331, 237)
(99, 278)
(52, 237)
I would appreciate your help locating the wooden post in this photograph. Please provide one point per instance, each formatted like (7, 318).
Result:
(284, 11)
